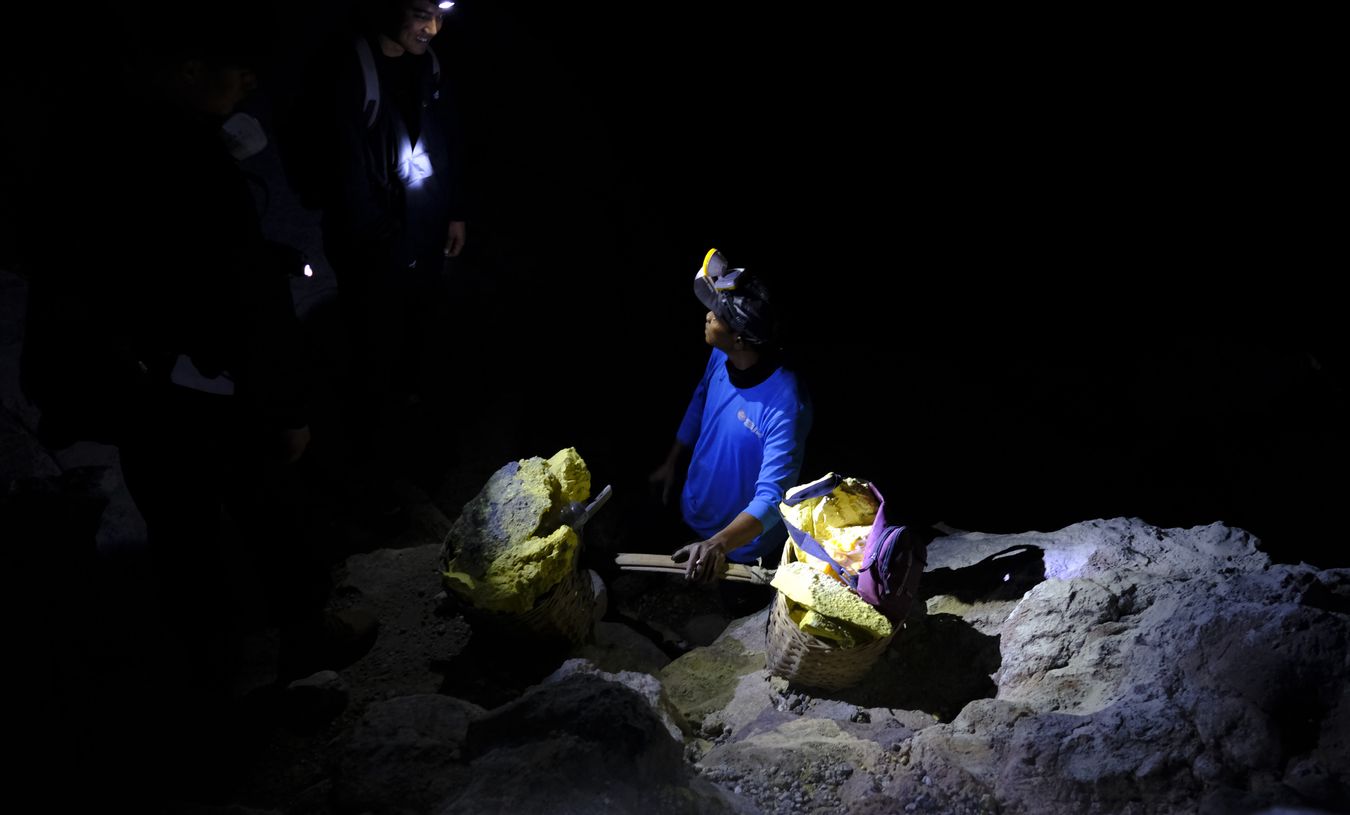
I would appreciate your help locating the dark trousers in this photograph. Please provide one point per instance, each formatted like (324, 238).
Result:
(191, 462)
(397, 336)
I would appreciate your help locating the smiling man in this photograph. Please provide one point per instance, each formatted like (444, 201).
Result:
(417, 21)
(380, 153)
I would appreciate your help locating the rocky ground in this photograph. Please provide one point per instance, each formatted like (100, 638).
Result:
(1150, 670)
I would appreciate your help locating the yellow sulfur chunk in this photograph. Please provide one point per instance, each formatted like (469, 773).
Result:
(803, 584)
(506, 549)
(574, 479)
(841, 521)
(818, 625)
(850, 504)
(517, 579)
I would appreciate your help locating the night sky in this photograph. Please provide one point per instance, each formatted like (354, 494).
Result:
(1039, 270)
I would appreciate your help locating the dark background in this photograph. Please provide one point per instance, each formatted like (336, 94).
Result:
(1039, 269)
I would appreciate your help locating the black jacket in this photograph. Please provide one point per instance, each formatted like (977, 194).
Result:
(366, 204)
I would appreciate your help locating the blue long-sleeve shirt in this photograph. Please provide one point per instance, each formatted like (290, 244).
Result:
(748, 445)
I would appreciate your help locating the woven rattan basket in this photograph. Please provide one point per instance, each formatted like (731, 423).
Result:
(811, 661)
(564, 613)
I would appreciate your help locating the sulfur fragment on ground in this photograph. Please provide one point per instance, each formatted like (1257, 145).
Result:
(507, 547)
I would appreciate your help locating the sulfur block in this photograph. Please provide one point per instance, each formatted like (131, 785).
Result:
(506, 548)
(840, 521)
(574, 480)
(823, 594)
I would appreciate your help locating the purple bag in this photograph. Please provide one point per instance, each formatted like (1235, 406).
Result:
(893, 558)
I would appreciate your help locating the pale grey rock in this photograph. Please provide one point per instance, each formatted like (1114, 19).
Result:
(719, 687)
(578, 744)
(791, 763)
(617, 647)
(645, 685)
(1152, 671)
(1155, 671)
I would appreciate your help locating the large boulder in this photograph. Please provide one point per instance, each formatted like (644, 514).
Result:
(580, 744)
(404, 755)
(617, 647)
(508, 546)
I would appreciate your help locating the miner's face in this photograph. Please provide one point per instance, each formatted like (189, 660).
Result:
(717, 333)
(421, 23)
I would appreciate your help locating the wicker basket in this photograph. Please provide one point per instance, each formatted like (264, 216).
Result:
(809, 660)
(564, 613)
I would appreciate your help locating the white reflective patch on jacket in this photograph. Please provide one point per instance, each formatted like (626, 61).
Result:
(414, 165)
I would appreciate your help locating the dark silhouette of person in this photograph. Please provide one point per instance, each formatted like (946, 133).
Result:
(181, 312)
(378, 149)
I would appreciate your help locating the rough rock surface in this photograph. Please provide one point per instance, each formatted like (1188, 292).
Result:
(400, 587)
(617, 647)
(507, 547)
(724, 685)
(404, 755)
(578, 745)
(1139, 670)
(1152, 671)
(645, 685)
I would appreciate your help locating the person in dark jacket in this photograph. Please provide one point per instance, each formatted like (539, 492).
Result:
(213, 409)
(392, 204)
(161, 321)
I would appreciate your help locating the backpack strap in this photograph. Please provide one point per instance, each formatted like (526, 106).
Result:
(879, 522)
(878, 543)
(812, 546)
(371, 77)
(371, 105)
(816, 489)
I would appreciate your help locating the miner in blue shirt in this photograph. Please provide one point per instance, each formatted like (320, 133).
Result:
(746, 424)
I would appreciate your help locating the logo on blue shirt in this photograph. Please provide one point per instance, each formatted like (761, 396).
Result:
(749, 425)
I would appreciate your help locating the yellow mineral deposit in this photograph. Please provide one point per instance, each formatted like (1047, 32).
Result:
(840, 521)
(801, 583)
(574, 480)
(818, 625)
(515, 580)
(517, 575)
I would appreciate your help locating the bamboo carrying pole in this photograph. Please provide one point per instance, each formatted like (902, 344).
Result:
(739, 572)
